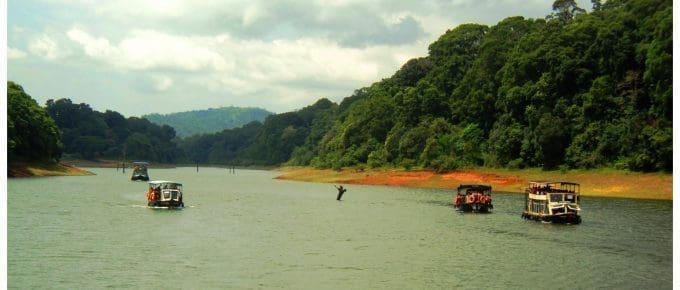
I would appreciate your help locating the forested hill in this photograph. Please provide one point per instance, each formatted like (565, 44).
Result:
(208, 121)
(575, 89)
(89, 134)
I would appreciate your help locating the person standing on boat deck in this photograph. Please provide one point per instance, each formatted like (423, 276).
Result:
(341, 191)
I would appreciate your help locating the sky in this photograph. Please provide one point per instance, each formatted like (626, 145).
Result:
(140, 56)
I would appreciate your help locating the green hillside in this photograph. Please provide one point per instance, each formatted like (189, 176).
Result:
(208, 121)
(574, 90)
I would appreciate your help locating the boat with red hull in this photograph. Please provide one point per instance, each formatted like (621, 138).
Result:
(473, 198)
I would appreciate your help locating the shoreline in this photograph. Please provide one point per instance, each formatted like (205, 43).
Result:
(21, 170)
(600, 183)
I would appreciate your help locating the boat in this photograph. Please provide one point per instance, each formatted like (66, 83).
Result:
(140, 171)
(165, 194)
(554, 202)
(473, 198)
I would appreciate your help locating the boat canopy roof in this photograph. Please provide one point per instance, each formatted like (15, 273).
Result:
(158, 182)
(545, 183)
(140, 163)
(474, 186)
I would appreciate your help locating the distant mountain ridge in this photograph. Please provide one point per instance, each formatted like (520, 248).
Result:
(209, 121)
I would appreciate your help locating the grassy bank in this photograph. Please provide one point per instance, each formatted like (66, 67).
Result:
(605, 182)
(37, 169)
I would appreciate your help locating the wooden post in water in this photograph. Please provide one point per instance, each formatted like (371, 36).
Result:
(124, 151)
(196, 166)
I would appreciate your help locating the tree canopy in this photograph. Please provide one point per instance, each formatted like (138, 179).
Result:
(32, 136)
(90, 134)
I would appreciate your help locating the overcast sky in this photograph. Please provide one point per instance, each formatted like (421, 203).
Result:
(141, 56)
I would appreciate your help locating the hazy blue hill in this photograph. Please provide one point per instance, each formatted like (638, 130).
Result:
(208, 121)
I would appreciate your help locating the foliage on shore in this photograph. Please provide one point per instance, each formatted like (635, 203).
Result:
(90, 134)
(602, 182)
(32, 136)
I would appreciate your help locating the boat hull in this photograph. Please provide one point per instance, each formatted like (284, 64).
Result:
(474, 207)
(140, 178)
(557, 219)
(166, 204)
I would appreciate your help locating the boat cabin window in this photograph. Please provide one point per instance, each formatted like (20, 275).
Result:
(556, 197)
(538, 207)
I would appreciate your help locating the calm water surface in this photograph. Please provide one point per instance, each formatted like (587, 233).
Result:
(248, 230)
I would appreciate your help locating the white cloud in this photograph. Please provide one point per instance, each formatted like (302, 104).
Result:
(148, 50)
(280, 55)
(99, 48)
(162, 82)
(13, 53)
(252, 13)
(46, 47)
(241, 61)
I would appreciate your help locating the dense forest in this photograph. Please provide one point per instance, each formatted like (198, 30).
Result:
(268, 143)
(90, 134)
(32, 136)
(573, 90)
(208, 121)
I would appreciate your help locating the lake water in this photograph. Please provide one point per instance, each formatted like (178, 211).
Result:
(248, 230)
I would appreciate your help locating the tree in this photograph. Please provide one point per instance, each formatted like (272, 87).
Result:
(565, 10)
(31, 134)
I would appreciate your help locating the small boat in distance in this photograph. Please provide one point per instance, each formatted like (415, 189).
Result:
(166, 194)
(474, 198)
(555, 202)
(140, 171)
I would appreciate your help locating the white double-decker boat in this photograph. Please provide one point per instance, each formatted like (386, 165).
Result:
(556, 202)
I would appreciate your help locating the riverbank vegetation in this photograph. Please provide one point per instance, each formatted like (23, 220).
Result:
(576, 90)
(33, 139)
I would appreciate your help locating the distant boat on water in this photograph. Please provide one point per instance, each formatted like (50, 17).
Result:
(140, 171)
(473, 198)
